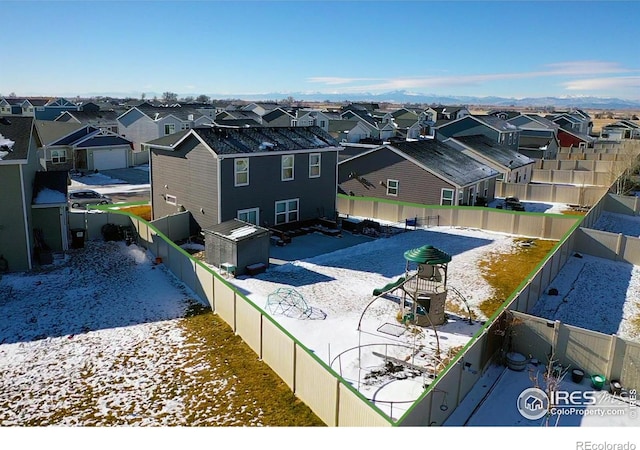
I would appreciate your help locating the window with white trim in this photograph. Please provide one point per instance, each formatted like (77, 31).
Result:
(314, 165)
(446, 197)
(287, 211)
(169, 128)
(287, 168)
(171, 199)
(241, 171)
(486, 189)
(392, 187)
(251, 215)
(460, 197)
(58, 156)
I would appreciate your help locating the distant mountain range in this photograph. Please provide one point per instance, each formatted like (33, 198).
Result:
(405, 97)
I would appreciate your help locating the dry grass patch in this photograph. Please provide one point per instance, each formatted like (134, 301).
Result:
(142, 211)
(505, 272)
(219, 354)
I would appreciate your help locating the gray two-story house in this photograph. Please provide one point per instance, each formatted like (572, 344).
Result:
(492, 127)
(428, 172)
(269, 176)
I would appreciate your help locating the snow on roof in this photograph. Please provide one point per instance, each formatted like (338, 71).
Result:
(242, 232)
(6, 146)
(47, 196)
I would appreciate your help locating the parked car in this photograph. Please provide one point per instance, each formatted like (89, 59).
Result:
(83, 197)
(512, 203)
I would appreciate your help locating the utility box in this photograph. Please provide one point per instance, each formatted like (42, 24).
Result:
(237, 244)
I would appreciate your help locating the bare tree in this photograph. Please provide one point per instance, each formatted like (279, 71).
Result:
(203, 98)
(188, 99)
(142, 96)
(169, 97)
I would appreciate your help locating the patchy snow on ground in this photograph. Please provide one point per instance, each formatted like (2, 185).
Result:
(618, 223)
(342, 321)
(498, 390)
(537, 207)
(97, 335)
(595, 293)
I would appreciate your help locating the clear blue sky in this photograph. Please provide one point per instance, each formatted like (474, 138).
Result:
(481, 48)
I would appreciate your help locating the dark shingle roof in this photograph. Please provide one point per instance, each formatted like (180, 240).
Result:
(501, 154)
(446, 161)
(232, 140)
(19, 132)
(274, 114)
(496, 122)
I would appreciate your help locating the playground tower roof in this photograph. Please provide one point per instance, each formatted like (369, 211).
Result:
(427, 254)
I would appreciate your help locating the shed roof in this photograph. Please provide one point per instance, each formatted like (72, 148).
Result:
(236, 230)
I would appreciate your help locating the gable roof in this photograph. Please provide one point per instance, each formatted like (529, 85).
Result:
(275, 113)
(490, 121)
(445, 161)
(49, 131)
(494, 151)
(232, 140)
(15, 134)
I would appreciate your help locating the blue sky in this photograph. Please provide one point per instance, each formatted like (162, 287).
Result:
(228, 48)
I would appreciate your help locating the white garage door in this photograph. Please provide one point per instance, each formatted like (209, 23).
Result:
(110, 159)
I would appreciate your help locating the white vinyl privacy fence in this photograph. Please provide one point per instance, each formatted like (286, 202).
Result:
(333, 399)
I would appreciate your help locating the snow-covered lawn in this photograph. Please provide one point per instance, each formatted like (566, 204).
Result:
(338, 287)
(618, 223)
(98, 338)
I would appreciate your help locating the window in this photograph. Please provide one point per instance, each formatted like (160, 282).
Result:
(446, 197)
(314, 165)
(323, 123)
(486, 189)
(171, 199)
(169, 128)
(241, 170)
(287, 211)
(510, 138)
(501, 138)
(287, 167)
(58, 156)
(460, 197)
(251, 215)
(392, 187)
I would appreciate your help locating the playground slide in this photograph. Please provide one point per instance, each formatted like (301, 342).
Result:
(388, 287)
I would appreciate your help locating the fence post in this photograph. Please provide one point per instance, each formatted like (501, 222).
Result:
(620, 243)
(611, 356)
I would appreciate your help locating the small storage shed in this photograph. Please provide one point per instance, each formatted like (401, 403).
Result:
(238, 244)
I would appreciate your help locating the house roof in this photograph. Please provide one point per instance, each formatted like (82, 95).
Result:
(93, 116)
(336, 126)
(445, 161)
(232, 140)
(14, 137)
(158, 112)
(501, 154)
(20, 100)
(274, 114)
(237, 123)
(535, 142)
(49, 131)
(495, 122)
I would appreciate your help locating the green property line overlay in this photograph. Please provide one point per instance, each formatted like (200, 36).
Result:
(504, 305)
(114, 210)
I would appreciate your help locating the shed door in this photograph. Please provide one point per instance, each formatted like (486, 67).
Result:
(110, 159)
